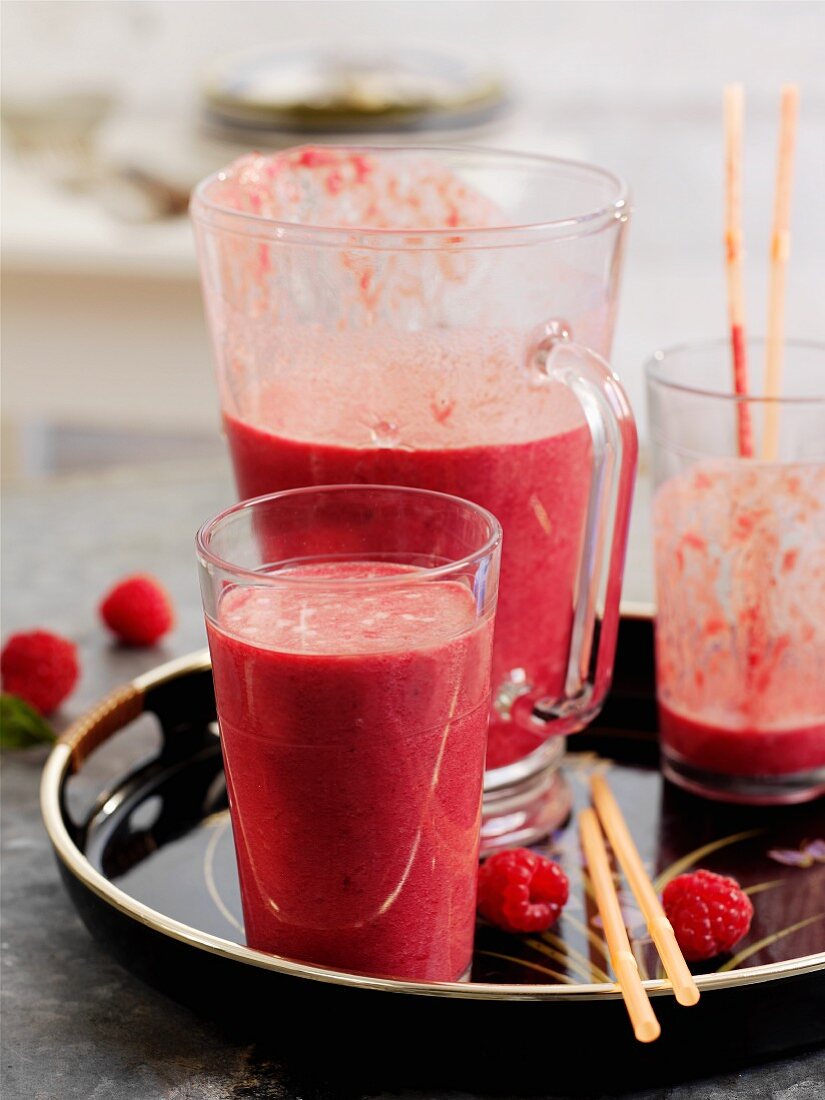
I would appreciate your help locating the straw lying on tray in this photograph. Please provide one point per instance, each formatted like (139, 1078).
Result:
(659, 927)
(645, 1025)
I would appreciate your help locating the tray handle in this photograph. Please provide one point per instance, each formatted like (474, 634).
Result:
(97, 725)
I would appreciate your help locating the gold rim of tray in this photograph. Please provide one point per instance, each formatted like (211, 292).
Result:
(127, 703)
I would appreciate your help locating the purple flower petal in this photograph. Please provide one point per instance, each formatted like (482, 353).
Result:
(791, 857)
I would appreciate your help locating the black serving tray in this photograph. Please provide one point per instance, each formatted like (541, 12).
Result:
(145, 850)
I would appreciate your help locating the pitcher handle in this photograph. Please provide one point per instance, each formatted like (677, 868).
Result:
(598, 590)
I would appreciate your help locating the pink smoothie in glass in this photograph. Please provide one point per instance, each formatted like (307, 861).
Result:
(740, 626)
(353, 723)
(752, 749)
(519, 449)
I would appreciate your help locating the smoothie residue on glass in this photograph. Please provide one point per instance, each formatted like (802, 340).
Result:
(741, 603)
(376, 369)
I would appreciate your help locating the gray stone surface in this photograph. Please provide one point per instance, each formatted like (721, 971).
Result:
(75, 1026)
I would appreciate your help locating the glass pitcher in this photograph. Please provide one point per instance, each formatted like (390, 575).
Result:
(438, 318)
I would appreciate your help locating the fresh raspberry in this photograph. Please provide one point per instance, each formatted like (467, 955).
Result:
(138, 610)
(709, 913)
(520, 891)
(39, 667)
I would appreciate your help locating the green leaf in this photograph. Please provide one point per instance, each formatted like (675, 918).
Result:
(21, 725)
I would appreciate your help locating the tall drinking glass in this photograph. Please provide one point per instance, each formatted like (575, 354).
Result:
(740, 575)
(424, 317)
(350, 630)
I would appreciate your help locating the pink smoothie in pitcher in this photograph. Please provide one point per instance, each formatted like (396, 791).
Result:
(740, 626)
(521, 451)
(353, 723)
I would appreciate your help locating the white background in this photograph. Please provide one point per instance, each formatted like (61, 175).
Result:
(102, 322)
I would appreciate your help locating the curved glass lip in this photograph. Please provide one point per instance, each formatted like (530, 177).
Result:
(409, 239)
(653, 369)
(208, 557)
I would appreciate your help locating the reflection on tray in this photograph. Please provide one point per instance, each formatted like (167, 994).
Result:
(171, 848)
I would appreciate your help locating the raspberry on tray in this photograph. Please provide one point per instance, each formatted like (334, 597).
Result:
(521, 891)
(710, 913)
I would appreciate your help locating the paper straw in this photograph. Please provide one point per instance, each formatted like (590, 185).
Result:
(639, 1009)
(780, 250)
(734, 103)
(660, 928)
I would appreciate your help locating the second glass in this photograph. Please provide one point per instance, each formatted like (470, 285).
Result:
(443, 349)
(740, 575)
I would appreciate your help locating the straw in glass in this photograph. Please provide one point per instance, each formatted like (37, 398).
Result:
(780, 251)
(734, 109)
